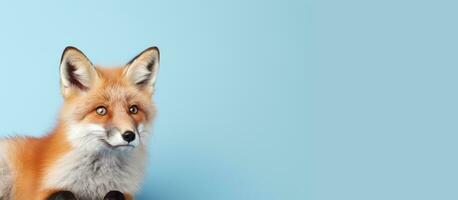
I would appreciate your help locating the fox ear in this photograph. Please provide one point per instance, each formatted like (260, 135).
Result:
(76, 72)
(142, 70)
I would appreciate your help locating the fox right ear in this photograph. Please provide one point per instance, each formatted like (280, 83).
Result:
(142, 70)
(77, 73)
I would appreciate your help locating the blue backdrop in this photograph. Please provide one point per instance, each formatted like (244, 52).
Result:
(271, 100)
(232, 91)
(382, 83)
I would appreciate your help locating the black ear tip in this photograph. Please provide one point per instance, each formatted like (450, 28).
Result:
(148, 50)
(70, 48)
(153, 48)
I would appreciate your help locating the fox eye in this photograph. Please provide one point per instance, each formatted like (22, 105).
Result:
(101, 110)
(133, 109)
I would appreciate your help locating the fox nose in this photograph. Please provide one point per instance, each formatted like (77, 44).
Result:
(128, 136)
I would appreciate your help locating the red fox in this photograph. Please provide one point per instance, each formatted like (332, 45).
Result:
(97, 150)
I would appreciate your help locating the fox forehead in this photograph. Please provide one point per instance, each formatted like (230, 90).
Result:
(113, 87)
(114, 91)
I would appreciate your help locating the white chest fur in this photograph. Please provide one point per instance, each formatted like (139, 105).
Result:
(92, 175)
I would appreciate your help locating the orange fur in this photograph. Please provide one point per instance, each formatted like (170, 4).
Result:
(30, 157)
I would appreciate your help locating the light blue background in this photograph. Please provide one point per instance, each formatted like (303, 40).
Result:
(287, 100)
(384, 107)
(231, 93)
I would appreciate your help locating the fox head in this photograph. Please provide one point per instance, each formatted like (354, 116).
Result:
(107, 108)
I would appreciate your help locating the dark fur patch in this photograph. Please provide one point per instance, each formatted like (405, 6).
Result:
(114, 195)
(145, 80)
(62, 195)
(150, 65)
(73, 78)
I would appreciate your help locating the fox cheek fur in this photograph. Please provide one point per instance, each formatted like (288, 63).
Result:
(99, 142)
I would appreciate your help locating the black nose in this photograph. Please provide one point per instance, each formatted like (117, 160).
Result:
(128, 136)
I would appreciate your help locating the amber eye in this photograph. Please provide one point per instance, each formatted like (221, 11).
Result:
(101, 110)
(133, 109)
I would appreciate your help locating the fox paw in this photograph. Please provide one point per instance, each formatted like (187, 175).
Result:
(114, 195)
(62, 195)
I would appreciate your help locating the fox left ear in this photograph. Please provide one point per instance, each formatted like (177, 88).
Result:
(76, 71)
(142, 70)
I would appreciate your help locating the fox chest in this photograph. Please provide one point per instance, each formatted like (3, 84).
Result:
(92, 176)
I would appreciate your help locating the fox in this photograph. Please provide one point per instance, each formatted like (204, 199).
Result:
(98, 147)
